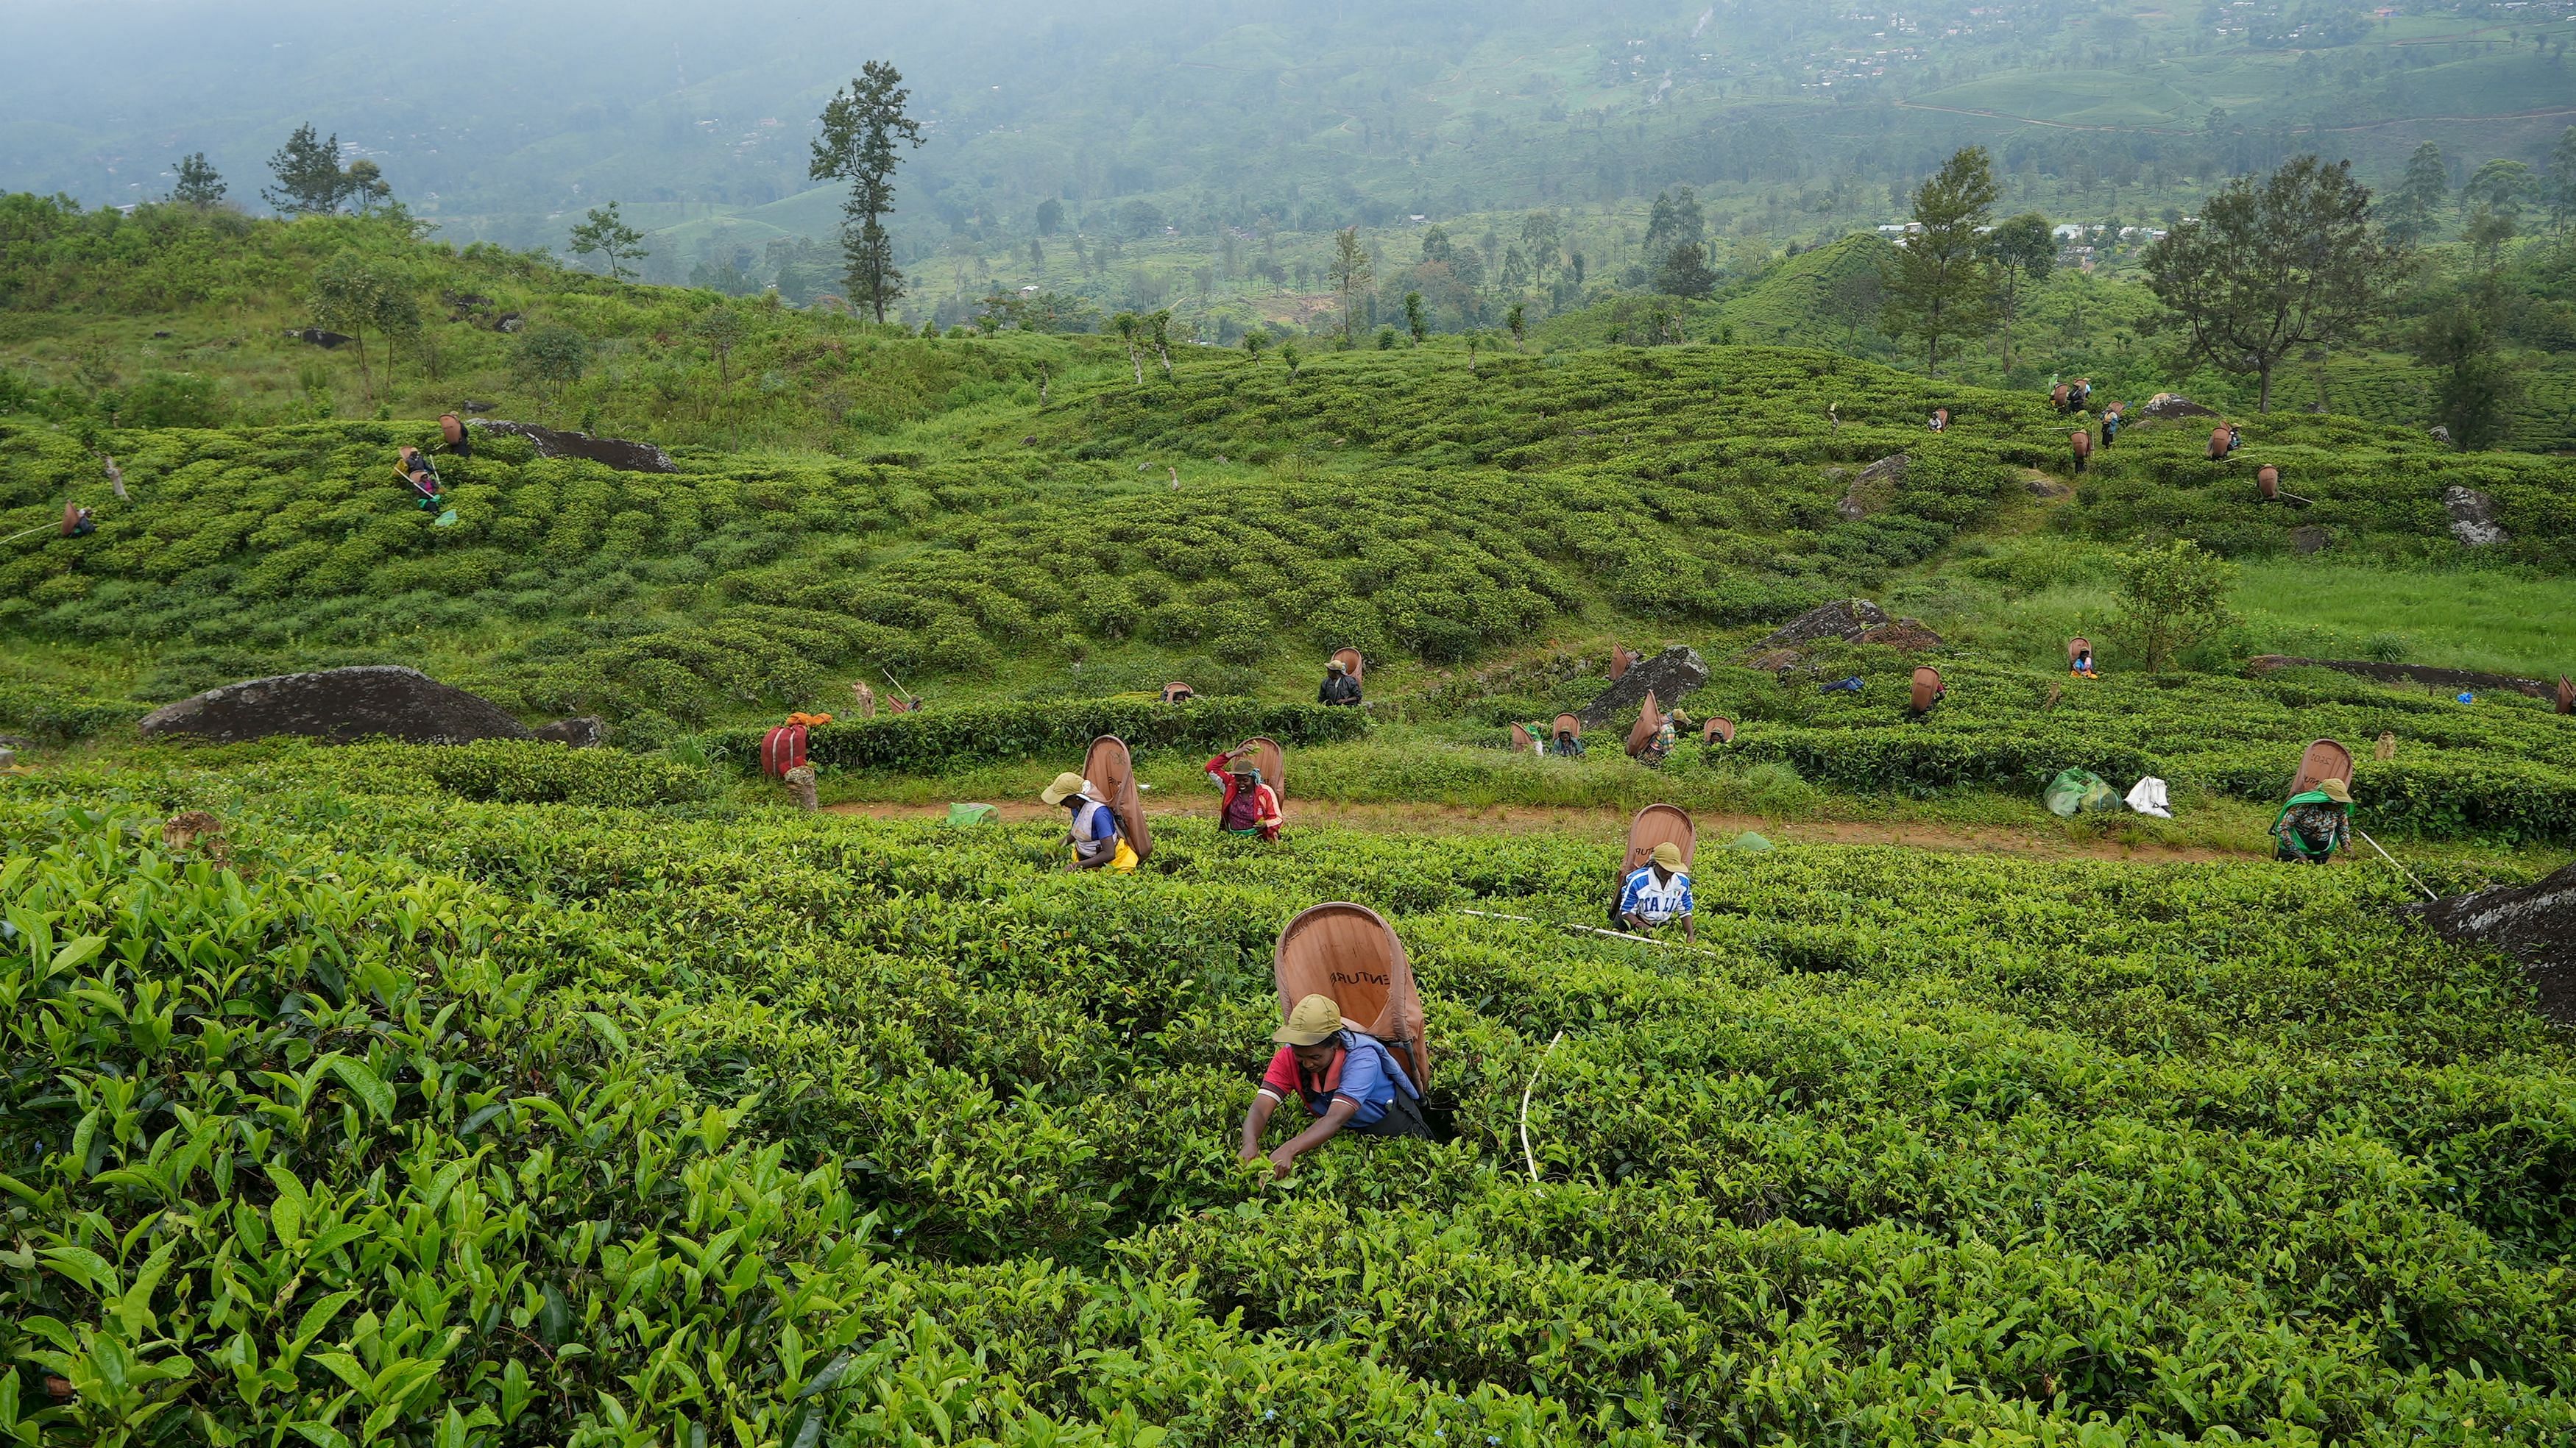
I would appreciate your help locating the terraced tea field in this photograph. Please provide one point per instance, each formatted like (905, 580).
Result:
(405, 1117)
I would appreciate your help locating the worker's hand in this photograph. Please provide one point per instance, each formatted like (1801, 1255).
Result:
(1282, 1161)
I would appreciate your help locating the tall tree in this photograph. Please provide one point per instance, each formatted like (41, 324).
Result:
(1351, 273)
(551, 358)
(1676, 220)
(2503, 187)
(862, 125)
(2023, 250)
(2174, 595)
(2414, 210)
(355, 295)
(1050, 216)
(1683, 271)
(2558, 191)
(2273, 268)
(1544, 235)
(2477, 387)
(605, 232)
(309, 179)
(1855, 298)
(1938, 285)
(723, 328)
(199, 185)
(1414, 321)
(1124, 324)
(365, 183)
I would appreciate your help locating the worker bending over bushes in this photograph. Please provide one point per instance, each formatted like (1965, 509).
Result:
(1097, 841)
(1348, 1080)
(1658, 893)
(2312, 826)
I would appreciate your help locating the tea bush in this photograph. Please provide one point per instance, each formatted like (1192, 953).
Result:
(54, 714)
(2503, 768)
(742, 583)
(2373, 494)
(930, 742)
(433, 1121)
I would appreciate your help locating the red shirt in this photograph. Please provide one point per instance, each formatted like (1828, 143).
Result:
(1264, 805)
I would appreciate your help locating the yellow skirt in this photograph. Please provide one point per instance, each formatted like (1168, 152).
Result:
(1124, 861)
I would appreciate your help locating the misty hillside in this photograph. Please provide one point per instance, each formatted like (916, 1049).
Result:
(497, 119)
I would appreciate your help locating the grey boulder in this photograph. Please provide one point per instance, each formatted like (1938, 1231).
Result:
(588, 731)
(1668, 676)
(373, 701)
(2473, 517)
(2535, 924)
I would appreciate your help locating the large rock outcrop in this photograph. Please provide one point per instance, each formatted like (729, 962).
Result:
(1873, 488)
(616, 452)
(2535, 924)
(341, 705)
(1845, 619)
(1854, 621)
(2166, 407)
(2449, 681)
(2473, 518)
(587, 731)
(1669, 676)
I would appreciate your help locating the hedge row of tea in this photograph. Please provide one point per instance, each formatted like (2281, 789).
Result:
(2368, 491)
(746, 582)
(449, 1123)
(2502, 768)
(928, 743)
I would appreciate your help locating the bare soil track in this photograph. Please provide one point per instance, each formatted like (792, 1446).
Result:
(1714, 829)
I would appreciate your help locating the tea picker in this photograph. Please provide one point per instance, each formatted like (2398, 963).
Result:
(905, 701)
(76, 522)
(414, 468)
(1350, 1035)
(1654, 887)
(2317, 819)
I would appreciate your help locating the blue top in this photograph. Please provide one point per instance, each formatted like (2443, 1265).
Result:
(1655, 901)
(1365, 1073)
(1103, 821)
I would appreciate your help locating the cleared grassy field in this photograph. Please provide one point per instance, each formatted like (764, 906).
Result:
(2466, 619)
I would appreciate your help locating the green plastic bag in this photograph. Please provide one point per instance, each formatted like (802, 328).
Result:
(1750, 843)
(2077, 791)
(972, 814)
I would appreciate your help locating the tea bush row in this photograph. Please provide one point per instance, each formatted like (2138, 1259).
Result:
(2369, 493)
(930, 742)
(2502, 768)
(441, 1121)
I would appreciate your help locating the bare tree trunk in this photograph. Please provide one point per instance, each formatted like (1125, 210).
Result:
(2265, 368)
(366, 384)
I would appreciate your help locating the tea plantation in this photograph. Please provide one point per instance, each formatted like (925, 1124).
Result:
(505, 1094)
(404, 1116)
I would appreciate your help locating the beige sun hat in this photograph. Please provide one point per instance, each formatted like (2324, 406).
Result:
(1315, 1020)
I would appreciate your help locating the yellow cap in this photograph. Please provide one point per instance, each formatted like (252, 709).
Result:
(2333, 789)
(1315, 1020)
(1668, 855)
(1066, 786)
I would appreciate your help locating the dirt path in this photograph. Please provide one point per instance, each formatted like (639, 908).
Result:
(1608, 822)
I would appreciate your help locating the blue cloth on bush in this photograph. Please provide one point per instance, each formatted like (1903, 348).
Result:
(1841, 686)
